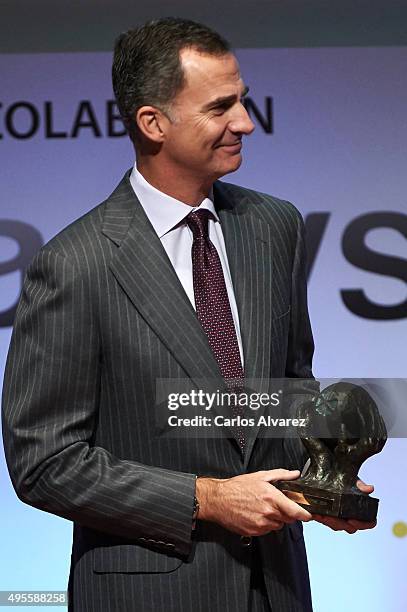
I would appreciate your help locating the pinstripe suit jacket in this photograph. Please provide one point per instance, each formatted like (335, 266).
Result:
(102, 315)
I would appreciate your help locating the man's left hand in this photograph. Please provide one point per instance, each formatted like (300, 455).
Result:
(350, 525)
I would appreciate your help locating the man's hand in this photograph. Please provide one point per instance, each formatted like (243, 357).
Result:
(350, 526)
(249, 504)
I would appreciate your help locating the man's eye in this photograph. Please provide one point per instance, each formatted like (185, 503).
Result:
(219, 110)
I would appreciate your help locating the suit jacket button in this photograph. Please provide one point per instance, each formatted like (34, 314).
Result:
(246, 540)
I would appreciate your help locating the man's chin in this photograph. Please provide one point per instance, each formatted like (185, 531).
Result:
(228, 166)
(234, 163)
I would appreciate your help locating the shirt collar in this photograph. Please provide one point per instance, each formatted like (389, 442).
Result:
(164, 211)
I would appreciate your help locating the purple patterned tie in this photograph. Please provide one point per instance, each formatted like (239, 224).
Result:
(213, 307)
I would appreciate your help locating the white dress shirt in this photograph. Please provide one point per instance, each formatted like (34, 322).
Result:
(165, 213)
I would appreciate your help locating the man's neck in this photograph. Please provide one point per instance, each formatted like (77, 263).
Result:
(190, 190)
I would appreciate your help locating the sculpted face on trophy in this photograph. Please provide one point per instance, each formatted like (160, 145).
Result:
(351, 430)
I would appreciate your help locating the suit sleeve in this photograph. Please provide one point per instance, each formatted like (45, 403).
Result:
(50, 412)
(300, 341)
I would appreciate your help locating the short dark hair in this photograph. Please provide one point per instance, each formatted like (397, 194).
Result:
(146, 64)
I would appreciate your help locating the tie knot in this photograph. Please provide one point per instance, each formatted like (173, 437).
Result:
(198, 222)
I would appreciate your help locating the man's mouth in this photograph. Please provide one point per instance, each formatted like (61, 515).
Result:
(232, 146)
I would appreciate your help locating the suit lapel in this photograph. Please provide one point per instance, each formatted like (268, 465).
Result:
(249, 249)
(144, 271)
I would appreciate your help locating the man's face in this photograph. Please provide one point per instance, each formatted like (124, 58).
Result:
(208, 120)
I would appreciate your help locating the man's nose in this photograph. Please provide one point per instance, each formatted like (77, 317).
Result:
(241, 122)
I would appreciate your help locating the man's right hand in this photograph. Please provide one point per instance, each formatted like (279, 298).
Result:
(249, 504)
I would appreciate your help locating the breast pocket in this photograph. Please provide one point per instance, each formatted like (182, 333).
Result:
(280, 323)
(280, 327)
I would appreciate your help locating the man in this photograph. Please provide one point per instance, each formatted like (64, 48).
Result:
(175, 276)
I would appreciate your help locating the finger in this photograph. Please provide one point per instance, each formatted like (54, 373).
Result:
(276, 525)
(327, 520)
(332, 522)
(289, 510)
(362, 524)
(281, 474)
(351, 526)
(365, 488)
(350, 530)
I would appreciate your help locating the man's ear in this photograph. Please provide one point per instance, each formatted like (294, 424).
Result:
(151, 123)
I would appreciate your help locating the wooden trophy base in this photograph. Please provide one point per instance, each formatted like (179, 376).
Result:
(331, 503)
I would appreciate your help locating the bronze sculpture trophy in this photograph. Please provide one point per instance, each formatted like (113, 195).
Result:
(354, 431)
